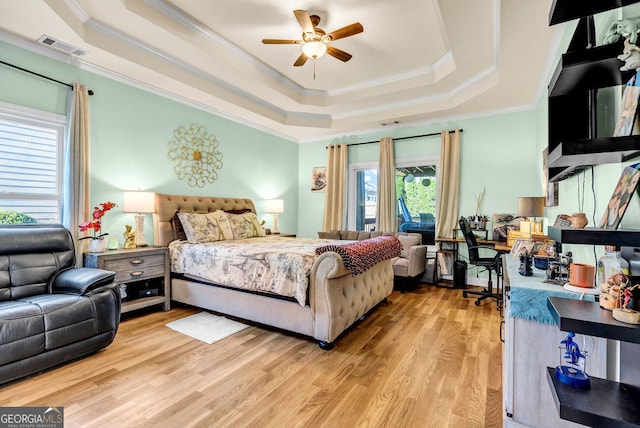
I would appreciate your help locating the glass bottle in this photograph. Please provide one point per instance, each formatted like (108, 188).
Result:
(611, 263)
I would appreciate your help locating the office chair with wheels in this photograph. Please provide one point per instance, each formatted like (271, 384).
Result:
(489, 263)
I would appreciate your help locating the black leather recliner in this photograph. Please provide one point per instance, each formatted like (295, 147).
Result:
(50, 311)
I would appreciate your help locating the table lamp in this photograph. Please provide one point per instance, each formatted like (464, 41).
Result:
(531, 206)
(141, 203)
(274, 207)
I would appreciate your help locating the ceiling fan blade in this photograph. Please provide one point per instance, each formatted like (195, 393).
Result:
(339, 54)
(281, 42)
(301, 60)
(347, 31)
(305, 21)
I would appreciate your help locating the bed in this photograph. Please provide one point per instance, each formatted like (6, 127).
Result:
(335, 298)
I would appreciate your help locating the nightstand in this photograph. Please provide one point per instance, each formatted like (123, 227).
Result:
(143, 271)
(285, 235)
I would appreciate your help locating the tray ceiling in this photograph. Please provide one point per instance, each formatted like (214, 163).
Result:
(417, 61)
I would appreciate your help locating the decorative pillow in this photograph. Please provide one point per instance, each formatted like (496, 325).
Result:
(224, 224)
(245, 225)
(199, 227)
(258, 229)
(177, 227)
(408, 242)
(240, 211)
(332, 234)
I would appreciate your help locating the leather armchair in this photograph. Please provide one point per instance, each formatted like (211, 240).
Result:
(50, 311)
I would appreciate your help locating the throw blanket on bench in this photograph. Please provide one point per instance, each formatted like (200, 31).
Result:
(362, 255)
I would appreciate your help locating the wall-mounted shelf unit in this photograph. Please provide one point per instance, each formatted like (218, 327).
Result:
(594, 236)
(573, 94)
(571, 157)
(584, 317)
(567, 10)
(593, 68)
(574, 144)
(605, 403)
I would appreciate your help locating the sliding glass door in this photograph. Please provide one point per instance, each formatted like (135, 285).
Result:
(415, 189)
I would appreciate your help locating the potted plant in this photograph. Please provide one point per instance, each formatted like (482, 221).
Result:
(97, 243)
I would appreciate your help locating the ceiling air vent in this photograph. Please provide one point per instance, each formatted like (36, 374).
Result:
(57, 44)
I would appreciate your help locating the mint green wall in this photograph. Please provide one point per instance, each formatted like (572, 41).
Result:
(130, 129)
(499, 153)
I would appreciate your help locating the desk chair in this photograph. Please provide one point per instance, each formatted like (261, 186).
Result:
(489, 263)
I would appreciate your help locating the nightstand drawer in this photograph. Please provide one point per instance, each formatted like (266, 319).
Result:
(136, 263)
(139, 273)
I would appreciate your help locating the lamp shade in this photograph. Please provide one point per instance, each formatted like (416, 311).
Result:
(531, 206)
(136, 201)
(274, 206)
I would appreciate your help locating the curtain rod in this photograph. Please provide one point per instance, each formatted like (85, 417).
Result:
(90, 92)
(433, 134)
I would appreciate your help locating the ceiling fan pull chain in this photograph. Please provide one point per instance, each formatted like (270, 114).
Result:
(314, 68)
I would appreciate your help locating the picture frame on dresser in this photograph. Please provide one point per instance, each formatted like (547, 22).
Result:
(521, 245)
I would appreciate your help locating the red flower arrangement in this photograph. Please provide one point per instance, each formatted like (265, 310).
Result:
(96, 224)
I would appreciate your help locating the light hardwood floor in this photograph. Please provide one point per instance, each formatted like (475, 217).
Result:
(426, 358)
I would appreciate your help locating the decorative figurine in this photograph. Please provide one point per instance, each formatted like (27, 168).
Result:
(627, 28)
(573, 374)
(627, 301)
(525, 264)
(129, 238)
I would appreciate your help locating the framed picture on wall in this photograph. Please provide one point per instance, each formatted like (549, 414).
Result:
(319, 179)
(551, 197)
(550, 189)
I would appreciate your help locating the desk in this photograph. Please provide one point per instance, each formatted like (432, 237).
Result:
(502, 247)
(480, 233)
(450, 246)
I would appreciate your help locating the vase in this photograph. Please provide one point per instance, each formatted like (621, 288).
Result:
(578, 220)
(97, 245)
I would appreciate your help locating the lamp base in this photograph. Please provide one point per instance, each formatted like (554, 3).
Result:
(140, 240)
(275, 230)
(525, 228)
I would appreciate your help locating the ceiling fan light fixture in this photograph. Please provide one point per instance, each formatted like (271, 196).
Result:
(314, 49)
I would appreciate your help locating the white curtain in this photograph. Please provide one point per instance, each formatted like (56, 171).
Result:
(75, 193)
(386, 206)
(335, 202)
(448, 191)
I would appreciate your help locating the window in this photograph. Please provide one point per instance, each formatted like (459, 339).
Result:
(31, 165)
(363, 194)
(415, 189)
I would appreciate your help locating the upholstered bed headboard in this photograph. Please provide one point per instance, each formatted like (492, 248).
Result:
(167, 205)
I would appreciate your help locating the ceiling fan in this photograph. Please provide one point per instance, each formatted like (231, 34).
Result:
(315, 41)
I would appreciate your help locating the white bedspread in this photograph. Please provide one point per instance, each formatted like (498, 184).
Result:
(270, 264)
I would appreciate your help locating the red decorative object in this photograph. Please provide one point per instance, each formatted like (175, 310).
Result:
(96, 224)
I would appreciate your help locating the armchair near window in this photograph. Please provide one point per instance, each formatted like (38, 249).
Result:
(408, 268)
(489, 259)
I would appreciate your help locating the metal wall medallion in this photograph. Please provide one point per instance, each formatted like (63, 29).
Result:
(196, 154)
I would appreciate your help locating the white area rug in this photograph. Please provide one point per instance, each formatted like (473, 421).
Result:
(206, 327)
